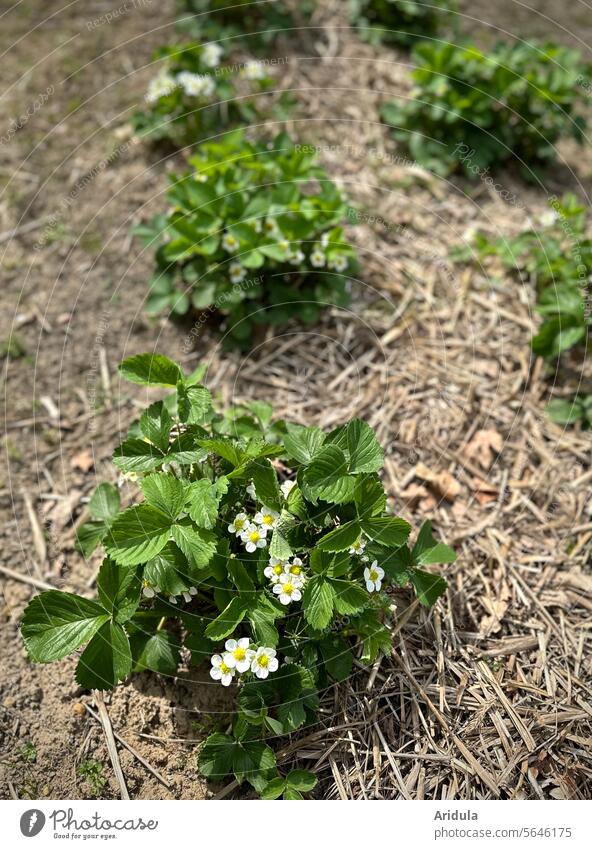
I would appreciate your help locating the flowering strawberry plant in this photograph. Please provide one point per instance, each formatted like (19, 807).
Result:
(192, 94)
(253, 235)
(264, 549)
(473, 110)
(400, 21)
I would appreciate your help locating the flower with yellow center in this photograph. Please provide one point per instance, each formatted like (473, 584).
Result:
(294, 568)
(237, 272)
(267, 518)
(338, 262)
(229, 243)
(287, 588)
(373, 576)
(264, 662)
(254, 537)
(238, 655)
(275, 569)
(239, 524)
(220, 671)
(357, 547)
(317, 259)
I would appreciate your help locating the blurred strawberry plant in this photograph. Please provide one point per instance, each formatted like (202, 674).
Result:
(556, 258)
(252, 235)
(400, 21)
(259, 23)
(193, 95)
(263, 547)
(476, 110)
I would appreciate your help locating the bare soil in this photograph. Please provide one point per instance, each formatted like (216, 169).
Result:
(488, 695)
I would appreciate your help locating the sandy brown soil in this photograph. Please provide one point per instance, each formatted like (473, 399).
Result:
(488, 695)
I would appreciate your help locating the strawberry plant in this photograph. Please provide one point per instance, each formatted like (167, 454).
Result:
(260, 548)
(400, 21)
(557, 258)
(262, 22)
(193, 95)
(476, 110)
(253, 235)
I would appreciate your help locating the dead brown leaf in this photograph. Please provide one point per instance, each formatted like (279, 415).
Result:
(84, 460)
(444, 484)
(483, 447)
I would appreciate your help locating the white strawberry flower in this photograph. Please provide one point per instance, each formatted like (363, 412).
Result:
(253, 70)
(211, 55)
(237, 272)
(287, 588)
(229, 243)
(239, 524)
(148, 592)
(284, 244)
(196, 85)
(324, 240)
(317, 258)
(294, 568)
(220, 671)
(275, 569)
(254, 537)
(267, 518)
(338, 262)
(264, 662)
(548, 218)
(296, 258)
(160, 86)
(357, 547)
(238, 655)
(271, 228)
(286, 487)
(251, 491)
(373, 576)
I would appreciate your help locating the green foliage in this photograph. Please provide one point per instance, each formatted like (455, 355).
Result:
(557, 258)
(570, 411)
(92, 771)
(260, 545)
(193, 96)
(217, 20)
(253, 236)
(476, 110)
(400, 21)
